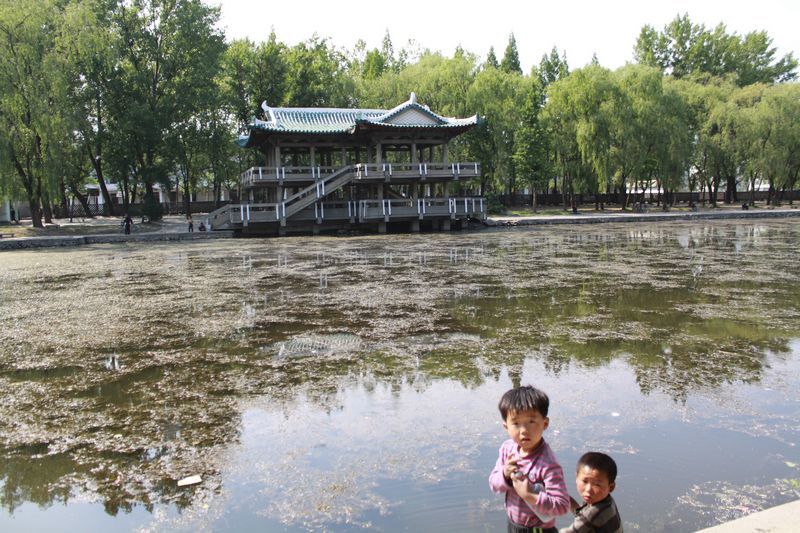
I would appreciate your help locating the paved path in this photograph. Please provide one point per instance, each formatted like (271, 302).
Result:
(781, 519)
(105, 230)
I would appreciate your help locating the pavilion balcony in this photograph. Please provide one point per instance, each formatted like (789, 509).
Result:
(293, 176)
(382, 210)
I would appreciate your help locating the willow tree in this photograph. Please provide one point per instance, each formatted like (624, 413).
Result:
(27, 35)
(439, 82)
(673, 143)
(650, 138)
(778, 113)
(87, 51)
(566, 121)
(496, 96)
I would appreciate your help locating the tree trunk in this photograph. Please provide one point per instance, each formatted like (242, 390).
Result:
(572, 199)
(84, 201)
(730, 190)
(97, 164)
(47, 208)
(36, 212)
(187, 195)
(770, 191)
(713, 191)
(27, 183)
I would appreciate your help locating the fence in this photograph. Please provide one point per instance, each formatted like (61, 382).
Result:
(134, 210)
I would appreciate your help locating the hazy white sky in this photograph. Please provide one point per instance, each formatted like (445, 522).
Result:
(580, 27)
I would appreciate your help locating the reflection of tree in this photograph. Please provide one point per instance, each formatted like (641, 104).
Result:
(661, 329)
(125, 440)
(29, 477)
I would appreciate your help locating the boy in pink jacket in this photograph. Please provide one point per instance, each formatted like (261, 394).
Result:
(527, 470)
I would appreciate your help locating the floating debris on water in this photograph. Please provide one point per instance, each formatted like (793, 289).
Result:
(319, 345)
(113, 363)
(191, 480)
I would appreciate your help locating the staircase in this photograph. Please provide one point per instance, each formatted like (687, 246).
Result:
(221, 218)
(316, 191)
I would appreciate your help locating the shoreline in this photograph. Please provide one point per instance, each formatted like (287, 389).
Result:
(779, 519)
(495, 222)
(606, 218)
(29, 243)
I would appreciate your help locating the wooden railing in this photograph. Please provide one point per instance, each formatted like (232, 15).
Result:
(421, 208)
(312, 193)
(387, 171)
(280, 175)
(334, 179)
(241, 215)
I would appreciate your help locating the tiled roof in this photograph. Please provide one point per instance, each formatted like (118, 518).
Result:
(409, 114)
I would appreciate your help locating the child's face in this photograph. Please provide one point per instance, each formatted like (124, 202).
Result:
(526, 428)
(593, 485)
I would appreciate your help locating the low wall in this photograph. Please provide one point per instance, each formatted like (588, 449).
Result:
(24, 243)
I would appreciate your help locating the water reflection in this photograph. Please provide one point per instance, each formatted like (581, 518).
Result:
(212, 344)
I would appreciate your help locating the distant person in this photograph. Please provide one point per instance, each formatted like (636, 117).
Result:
(202, 226)
(191, 224)
(595, 479)
(527, 470)
(127, 222)
(13, 215)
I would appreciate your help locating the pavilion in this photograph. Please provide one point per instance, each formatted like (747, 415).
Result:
(353, 169)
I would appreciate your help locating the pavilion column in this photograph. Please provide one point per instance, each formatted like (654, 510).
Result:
(278, 164)
(414, 158)
(344, 157)
(313, 154)
(445, 154)
(378, 153)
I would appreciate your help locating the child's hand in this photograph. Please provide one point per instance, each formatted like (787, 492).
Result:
(573, 505)
(524, 490)
(510, 469)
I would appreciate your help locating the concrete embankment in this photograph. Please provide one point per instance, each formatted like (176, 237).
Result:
(781, 519)
(23, 243)
(598, 217)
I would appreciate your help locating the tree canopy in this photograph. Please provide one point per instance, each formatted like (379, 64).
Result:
(684, 48)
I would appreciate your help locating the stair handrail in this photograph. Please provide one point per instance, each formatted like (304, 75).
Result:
(317, 190)
(219, 213)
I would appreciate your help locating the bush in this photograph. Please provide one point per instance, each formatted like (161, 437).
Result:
(493, 204)
(151, 208)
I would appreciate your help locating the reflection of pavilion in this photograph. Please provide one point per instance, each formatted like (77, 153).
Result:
(329, 169)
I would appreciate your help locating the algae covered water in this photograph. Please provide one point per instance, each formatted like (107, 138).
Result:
(343, 383)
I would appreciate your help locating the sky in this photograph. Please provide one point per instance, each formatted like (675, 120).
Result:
(580, 28)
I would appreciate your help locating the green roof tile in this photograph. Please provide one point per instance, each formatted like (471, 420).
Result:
(338, 121)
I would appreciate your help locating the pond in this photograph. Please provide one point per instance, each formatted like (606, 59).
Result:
(343, 383)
